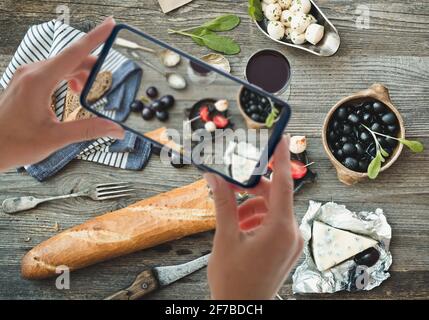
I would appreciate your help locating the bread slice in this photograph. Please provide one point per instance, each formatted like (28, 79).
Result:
(147, 223)
(101, 85)
(79, 114)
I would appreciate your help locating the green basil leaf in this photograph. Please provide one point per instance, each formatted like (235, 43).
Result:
(255, 10)
(271, 117)
(383, 152)
(415, 146)
(199, 32)
(374, 167)
(222, 44)
(222, 23)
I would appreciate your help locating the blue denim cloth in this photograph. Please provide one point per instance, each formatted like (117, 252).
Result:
(56, 161)
(125, 85)
(128, 144)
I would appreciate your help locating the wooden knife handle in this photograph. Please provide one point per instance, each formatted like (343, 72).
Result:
(144, 283)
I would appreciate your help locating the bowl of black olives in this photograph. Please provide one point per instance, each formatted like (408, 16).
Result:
(357, 128)
(254, 107)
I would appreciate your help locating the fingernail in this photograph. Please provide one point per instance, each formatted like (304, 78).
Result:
(109, 19)
(211, 180)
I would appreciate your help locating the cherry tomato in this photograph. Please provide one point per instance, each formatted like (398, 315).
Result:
(299, 170)
(220, 121)
(204, 113)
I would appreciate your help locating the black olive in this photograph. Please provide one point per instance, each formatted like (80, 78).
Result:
(148, 113)
(167, 101)
(353, 118)
(389, 118)
(260, 108)
(156, 105)
(367, 118)
(363, 165)
(359, 149)
(252, 95)
(341, 113)
(152, 92)
(136, 106)
(344, 139)
(347, 129)
(378, 107)
(368, 257)
(264, 100)
(162, 115)
(337, 145)
(255, 117)
(368, 107)
(381, 140)
(376, 127)
(349, 149)
(365, 136)
(392, 129)
(371, 150)
(390, 142)
(253, 108)
(262, 118)
(351, 163)
(339, 154)
(335, 125)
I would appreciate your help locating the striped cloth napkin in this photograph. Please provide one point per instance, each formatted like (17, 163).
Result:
(47, 40)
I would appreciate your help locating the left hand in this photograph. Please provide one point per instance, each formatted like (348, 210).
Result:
(29, 129)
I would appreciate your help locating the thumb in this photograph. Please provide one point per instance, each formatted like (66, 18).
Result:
(88, 129)
(225, 205)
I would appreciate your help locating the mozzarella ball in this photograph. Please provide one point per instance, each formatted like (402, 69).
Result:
(264, 6)
(303, 6)
(276, 30)
(297, 38)
(297, 144)
(314, 33)
(285, 4)
(273, 12)
(288, 32)
(300, 22)
(269, 1)
(286, 17)
(312, 18)
(210, 126)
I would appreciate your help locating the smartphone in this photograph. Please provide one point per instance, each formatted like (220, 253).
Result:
(191, 109)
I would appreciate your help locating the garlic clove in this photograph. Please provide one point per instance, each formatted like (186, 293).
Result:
(170, 58)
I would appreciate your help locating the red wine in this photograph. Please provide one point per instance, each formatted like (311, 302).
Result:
(269, 70)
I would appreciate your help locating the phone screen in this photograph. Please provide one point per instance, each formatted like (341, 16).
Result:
(194, 109)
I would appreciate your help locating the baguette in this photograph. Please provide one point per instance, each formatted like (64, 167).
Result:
(147, 223)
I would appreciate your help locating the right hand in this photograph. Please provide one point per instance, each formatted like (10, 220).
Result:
(256, 244)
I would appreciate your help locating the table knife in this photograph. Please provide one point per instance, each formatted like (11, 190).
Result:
(155, 278)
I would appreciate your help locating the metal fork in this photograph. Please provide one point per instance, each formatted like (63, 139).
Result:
(98, 192)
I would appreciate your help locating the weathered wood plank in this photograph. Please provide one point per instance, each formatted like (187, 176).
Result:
(394, 51)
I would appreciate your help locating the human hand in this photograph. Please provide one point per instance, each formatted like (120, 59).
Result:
(29, 129)
(257, 243)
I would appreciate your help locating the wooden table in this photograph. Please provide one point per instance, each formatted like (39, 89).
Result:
(394, 51)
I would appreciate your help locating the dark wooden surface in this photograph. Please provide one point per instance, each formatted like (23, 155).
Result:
(394, 51)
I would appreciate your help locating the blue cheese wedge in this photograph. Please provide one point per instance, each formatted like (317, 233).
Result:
(332, 246)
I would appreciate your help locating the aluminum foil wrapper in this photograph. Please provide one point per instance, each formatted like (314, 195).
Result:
(347, 275)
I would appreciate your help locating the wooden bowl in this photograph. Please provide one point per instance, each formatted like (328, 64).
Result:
(376, 91)
(251, 124)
